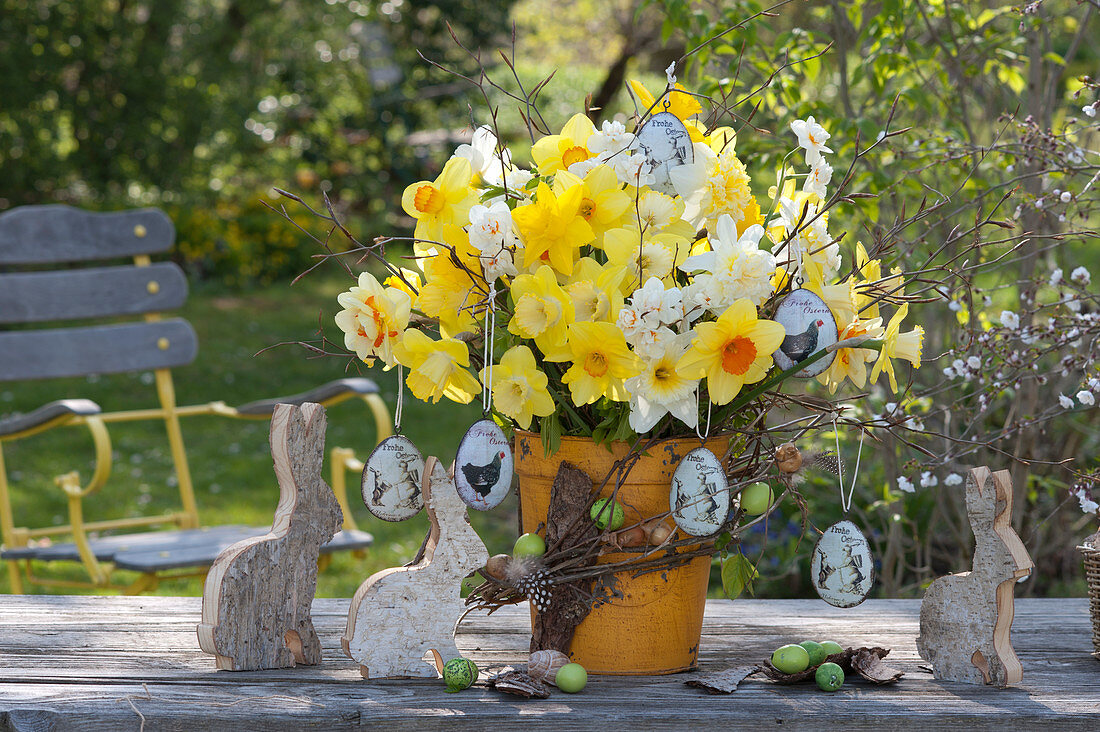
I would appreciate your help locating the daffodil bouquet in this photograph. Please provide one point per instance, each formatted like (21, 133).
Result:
(588, 297)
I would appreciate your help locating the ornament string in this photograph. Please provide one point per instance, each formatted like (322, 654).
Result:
(400, 399)
(846, 501)
(487, 352)
(703, 435)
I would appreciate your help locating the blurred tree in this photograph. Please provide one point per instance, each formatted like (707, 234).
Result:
(119, 101)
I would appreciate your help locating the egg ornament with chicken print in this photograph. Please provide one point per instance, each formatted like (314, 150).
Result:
(483, 466)
(810, 327)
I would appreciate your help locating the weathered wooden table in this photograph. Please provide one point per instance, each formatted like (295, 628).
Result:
(111, 663)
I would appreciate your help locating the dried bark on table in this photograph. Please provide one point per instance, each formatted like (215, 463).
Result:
(722, 682)
(567, 525)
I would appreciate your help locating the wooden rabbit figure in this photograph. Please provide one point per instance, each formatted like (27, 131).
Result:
(256, 602)
(966, 618)
(400, 614)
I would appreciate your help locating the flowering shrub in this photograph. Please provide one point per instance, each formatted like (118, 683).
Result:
(617, 308)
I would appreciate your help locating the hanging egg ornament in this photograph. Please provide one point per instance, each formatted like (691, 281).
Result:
(842, 568)
(665, 143)
(810, 327)
(483, 466)
(391, 479)
(699, 498)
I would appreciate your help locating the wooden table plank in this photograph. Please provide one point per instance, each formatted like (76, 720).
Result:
(108, 663)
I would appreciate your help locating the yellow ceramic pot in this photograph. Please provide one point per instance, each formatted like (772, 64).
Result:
(655, 627)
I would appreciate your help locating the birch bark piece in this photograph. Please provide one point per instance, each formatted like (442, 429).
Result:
(403, 613)
(257, 596)
(966, 618)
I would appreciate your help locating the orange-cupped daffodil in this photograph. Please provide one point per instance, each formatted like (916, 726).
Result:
(557, 152)
(542, 312)
(553, 228)
(519, 388)
(601, 362)
(437, 368)
(851, 363)
(446, 200)
(896, 344)
(732, 351)
(373, 318)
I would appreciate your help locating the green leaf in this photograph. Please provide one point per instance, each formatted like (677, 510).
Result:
(738, 574)
(550, 433)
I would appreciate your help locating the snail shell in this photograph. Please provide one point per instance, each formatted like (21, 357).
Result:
(497, 566)
(788, 458)
(632, 537)
(658, 532)
(544, 665)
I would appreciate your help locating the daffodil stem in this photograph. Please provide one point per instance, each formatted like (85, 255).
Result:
(563, 402)
(857, 342)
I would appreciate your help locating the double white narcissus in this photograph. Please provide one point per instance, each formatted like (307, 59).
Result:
(438, 368)
(519, 388)
(661, 390)
(732, 351)
(373, 318)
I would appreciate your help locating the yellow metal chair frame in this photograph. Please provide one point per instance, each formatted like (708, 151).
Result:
(99, 572)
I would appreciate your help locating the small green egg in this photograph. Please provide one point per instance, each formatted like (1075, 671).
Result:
(459, 673)
(602, 515)
(829, 676)
(571, 678)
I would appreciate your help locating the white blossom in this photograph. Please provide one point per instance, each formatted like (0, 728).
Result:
(1081, 276)
(953, 479)
(1087, 504)
(1065, 401)
(1089, 110)
(949, 372)
(927, 480)
(739, 267)
(974, 363)
(1056, 277)
(954, 306)
(1086, 398)
(491, 233)
(819, 177)
(1010, 319)
(1066, 196)
(811, 138)
(670, 73)
(482, 154)
(1094, 384)
(904, 484)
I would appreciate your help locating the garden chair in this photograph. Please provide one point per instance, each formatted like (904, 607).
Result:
(38, 284)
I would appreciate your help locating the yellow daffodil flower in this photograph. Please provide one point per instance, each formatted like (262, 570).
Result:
(658, 213)
(898, 345)
(680, 103)
(446, 200)
(557, 152)
(641, 256)
(450, 289)
(603, 202)
(595, 291)
(851, 363)
(373, 318)
(543, 312)
(733, 351)
(552, 228)
(841, 297)
(601, 362)
(410, 285)
(870, 270)
(519, 388)
(437, 368)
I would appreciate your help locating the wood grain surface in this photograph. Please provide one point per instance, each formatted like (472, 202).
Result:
(108, 663)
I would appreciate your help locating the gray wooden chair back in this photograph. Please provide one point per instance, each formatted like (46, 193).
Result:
(35, 288)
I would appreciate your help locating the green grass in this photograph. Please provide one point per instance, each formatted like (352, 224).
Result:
(230, 459)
